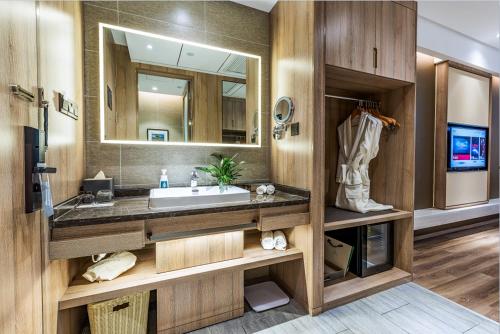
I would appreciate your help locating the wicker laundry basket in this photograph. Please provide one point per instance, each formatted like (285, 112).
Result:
(124, 315)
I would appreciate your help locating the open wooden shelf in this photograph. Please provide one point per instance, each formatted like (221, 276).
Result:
(144, 277)
(355, 288)
(336, 219)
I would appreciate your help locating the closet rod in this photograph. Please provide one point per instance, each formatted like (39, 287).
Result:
(349, 98)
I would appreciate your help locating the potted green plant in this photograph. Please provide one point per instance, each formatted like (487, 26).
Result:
(226, 170)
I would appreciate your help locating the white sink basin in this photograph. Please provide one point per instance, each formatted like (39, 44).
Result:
(184, 196)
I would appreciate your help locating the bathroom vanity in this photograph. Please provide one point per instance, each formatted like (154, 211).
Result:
(194, 256)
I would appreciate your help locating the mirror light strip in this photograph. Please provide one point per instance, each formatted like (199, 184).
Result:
(138, 142)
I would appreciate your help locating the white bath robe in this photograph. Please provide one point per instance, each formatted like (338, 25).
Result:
(358, 145)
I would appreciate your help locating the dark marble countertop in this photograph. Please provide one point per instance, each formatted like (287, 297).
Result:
(137, 208)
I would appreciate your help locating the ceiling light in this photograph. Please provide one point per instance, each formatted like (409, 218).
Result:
(149, 46)
(498, 34)
(154, 88)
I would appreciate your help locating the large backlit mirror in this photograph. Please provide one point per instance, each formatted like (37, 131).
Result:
(161, 90)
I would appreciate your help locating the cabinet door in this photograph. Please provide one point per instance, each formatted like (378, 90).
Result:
(227, 114)
(350, 34)
(396, 41)
(240, 115)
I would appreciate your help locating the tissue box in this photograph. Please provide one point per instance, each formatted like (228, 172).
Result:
(94, 185)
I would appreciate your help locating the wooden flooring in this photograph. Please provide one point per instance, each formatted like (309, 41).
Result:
(406, 309)
(463, 267)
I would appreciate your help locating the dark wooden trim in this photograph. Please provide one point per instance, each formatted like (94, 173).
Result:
(317, 204)
(466, 68)
(435, 231)
(440, 146)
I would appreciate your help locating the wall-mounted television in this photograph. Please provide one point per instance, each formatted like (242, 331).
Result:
(467, 147)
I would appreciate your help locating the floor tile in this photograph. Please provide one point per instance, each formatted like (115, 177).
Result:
(384, 301)
(452, 314)
(415, 321)
(486, 327)
(361, 319)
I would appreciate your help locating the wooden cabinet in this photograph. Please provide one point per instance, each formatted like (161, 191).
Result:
(350, 34)
(373, 37)
(194, 304)
(233, 114)
(396, 44)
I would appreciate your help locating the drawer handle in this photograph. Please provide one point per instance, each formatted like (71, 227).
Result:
(375, 57)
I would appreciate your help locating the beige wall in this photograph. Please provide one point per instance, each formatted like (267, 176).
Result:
(160, 111)
(223, 24)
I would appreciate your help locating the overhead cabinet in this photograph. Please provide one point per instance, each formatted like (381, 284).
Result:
(376, 37)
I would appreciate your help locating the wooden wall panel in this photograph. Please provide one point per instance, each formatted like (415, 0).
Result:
(20, 277)
(126, 106)
(297, 71)
(440, 135)
(60, 28)
(252, 101)
(109, 82)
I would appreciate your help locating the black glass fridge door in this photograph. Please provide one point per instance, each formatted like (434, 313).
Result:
(377, 248)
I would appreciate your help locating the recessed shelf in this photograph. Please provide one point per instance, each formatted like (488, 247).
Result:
(336, 218)
(355, 288)
(144, 277)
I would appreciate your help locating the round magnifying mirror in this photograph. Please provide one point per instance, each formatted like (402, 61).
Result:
(283, 110)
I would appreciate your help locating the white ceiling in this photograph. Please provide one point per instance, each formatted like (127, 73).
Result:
(157, 51)
(263, 5)
(161, 85)
(479, 20)
(234, 89)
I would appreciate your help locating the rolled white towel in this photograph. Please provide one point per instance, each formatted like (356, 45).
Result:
(270, 189)
(111, 267)
(261, 190)
(279, 240)
(267, 240)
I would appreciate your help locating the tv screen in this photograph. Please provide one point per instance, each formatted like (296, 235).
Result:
(467, 147)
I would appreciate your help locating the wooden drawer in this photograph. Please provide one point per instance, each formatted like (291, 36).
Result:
(283, 217)
(195, 225)
(78, 241)
(86, 246)
(285, 221)
(195, 251)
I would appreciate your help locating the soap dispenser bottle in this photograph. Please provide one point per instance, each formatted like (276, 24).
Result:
(164, 179)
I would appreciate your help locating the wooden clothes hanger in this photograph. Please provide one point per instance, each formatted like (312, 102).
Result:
(373, 109)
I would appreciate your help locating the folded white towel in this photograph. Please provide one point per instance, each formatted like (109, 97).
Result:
(267, 240)
(279, 240)
(111, 267)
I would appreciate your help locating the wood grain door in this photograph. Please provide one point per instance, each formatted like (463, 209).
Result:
(350, 34)
(396, 41)
(239, 115)
(227, 114)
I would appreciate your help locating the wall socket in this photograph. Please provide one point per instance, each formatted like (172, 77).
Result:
(294, 131)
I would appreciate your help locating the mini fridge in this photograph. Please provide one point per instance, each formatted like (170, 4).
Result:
(373, 247)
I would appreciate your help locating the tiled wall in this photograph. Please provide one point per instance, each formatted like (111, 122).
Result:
(223, 24)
